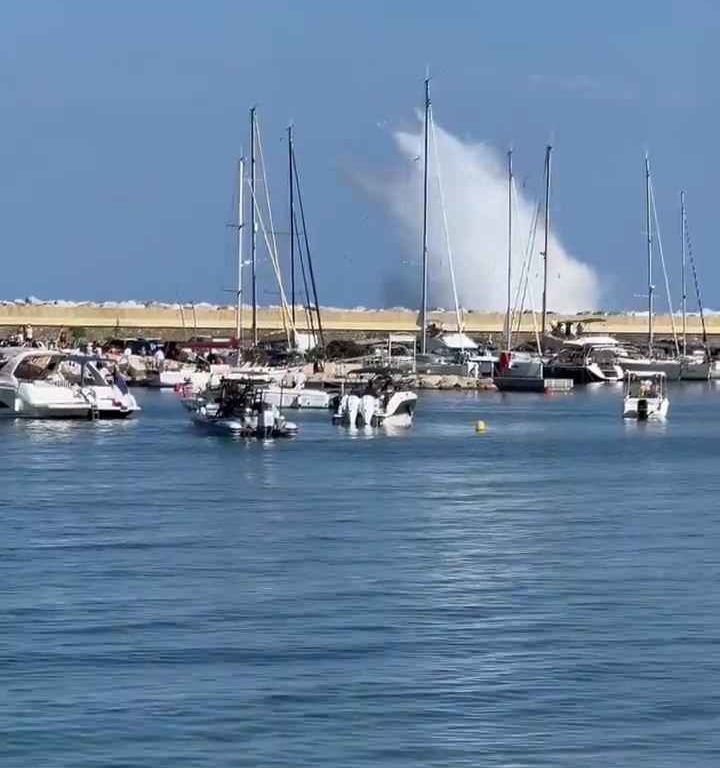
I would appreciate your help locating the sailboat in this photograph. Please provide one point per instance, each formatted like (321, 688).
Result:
(670, 366)
(451, 348)
(696, 366)
(524, 371)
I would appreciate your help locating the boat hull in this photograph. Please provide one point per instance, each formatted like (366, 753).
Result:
(671, 368)
(646, 408)
(519, 383)
(239, 428)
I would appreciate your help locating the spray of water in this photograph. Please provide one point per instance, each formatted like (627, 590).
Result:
(475, 195)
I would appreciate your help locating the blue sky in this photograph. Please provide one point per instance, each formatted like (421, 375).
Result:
(122, 121)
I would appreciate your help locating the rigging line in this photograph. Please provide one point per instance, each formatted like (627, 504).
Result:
(523, 286)
(287, 320)
(307, 305)
(311, 271)
(527, 266)
(446, 228)
(696, 281)
(662, 262)
(274, 250)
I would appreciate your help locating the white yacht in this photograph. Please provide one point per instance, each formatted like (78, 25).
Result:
(645, 396)
(41, 384)
(380, 401)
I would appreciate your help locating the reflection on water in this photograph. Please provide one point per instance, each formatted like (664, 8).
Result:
(544, 593)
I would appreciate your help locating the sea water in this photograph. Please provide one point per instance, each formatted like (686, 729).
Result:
(546, 593)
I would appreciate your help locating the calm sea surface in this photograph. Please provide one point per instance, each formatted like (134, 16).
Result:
(544, 594)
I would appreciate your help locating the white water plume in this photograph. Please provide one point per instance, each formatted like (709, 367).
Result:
(475, 195)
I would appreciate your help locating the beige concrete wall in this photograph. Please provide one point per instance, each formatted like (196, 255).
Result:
(380, 321)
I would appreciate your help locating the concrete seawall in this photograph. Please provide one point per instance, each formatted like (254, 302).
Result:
(189, 321)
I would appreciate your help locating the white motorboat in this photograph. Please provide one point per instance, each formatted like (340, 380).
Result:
(586, 360)
(645, 396)
(290, 392)
(381, 401)
(670, 366)
(283, 389)
(238, 409)
(170, 375)
(41, 384)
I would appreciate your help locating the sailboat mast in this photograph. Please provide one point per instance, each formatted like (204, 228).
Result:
(241, 223)
(508, 313)
(648, 225)
(683, 229)
(253, 232)
(548, 173)
(424, 299)
(292, 221)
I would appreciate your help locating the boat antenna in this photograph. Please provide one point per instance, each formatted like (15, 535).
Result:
(683, 275)
(508, 317)
(423, 308)
(548, 173)
(648, 226)
(253, 228)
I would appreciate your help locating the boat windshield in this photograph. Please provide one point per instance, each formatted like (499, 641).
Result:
(37, 367)
(644, 387)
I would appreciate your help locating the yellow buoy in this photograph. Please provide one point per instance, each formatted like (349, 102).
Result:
(480, 426)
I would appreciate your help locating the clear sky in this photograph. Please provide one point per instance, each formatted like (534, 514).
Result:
(120, 125)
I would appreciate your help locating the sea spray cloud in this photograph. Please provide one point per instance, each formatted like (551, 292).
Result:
(474, 184)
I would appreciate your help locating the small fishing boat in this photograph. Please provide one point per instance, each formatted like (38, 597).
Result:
(382, 400)
(238, 409)
(45, 384)
(645, 396)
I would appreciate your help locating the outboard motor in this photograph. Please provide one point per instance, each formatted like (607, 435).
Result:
(342, 409)
(353, 406)
(265, 420)
(642, 409)
(369, 407)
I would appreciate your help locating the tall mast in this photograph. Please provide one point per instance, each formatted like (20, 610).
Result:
(508, 313)
(683, 230)
(253, 233)
(648, 225)
(548, 172)
(241, 223)
(423, 309)
(292, 222)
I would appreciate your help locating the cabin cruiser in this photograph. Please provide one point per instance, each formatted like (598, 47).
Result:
(238, 409)
(645, 396)
(382, 400)
(586, 360)
(41, 384)
(290, 391)
(283, 389)
(171, 375)
(456, 354)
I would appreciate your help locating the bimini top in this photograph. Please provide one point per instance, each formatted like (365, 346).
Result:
(645, 374)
